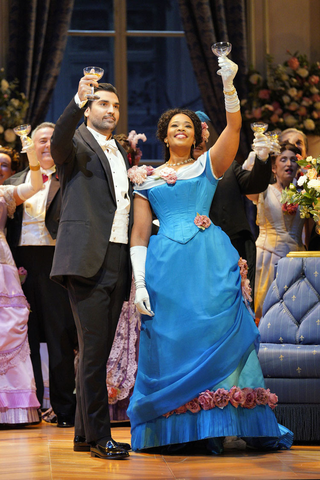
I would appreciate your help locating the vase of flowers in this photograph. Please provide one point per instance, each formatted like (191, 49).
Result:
(306, 193)
(13, 108)
(288, 97)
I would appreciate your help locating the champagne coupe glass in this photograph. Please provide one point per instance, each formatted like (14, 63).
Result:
(274, 138)
(259, 127)
(22, 132)
(97, 72)
(221, 49)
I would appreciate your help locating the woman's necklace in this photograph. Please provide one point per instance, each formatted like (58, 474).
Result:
(179, 163)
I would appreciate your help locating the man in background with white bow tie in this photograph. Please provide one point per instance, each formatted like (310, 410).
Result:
(31, 235)
(92, 252)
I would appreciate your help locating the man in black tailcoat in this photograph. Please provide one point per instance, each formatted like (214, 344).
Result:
(92, 252)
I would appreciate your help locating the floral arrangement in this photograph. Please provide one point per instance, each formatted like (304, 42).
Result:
(138, 175)
(129, 143)
(13, 108)
(289, 209)
(289, 97)
(307, 192)
(243, 397)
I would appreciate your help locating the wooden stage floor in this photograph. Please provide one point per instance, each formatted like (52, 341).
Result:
(45, 452)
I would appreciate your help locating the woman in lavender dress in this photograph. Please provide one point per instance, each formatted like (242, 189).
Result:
(18, 400)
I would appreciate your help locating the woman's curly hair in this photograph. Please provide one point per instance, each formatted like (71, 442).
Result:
(162, 130)
(14, 156)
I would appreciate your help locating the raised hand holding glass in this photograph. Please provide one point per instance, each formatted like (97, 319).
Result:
(22, 132)
(98, 73)
(221, 49)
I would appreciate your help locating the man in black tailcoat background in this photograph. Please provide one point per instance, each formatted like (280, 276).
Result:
(31, 235)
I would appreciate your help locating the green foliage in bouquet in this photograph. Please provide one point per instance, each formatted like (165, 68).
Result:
(307, 192)
(13, 108)
(289, 97)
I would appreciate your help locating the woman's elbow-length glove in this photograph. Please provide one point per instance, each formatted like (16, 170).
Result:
(138, 256)
(228, 71)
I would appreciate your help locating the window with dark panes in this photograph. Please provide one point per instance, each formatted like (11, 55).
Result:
(141, 46)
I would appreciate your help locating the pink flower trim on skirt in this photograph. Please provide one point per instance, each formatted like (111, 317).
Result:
(243, 397)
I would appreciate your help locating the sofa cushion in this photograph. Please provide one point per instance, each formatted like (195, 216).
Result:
(295, 390)
(291, 311)
(290, 361)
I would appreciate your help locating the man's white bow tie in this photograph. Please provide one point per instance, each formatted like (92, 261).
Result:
(110, 146)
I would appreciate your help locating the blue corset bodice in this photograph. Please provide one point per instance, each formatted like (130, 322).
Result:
(176, 209)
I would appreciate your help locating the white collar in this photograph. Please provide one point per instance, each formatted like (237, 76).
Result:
(48, 171)
(101, 139)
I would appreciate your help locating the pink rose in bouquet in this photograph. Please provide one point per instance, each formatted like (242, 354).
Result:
(251, 398)
(265, 94)
(207, 400)
(293, 63)
(222, 397)
(237, 397)
(193, 406)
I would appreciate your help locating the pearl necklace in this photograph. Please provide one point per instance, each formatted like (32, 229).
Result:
(179, 163)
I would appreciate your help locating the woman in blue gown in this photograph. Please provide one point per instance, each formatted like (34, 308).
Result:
(198, 376)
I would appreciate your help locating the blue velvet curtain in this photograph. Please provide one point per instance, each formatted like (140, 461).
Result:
(206, 22)
(37, 39)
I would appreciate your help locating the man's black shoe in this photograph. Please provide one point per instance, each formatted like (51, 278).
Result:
(109, 450)
(80, 444)
(126, 446)
(65, 421)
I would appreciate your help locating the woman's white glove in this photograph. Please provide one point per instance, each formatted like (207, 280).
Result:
(249, 162)
(228, 71)
(261, 146)
(27, 190)
(138, 256)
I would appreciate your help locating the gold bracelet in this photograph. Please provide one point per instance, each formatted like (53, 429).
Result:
(231, 92)
(34, 168)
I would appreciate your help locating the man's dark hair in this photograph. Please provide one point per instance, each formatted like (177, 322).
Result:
(108, 87)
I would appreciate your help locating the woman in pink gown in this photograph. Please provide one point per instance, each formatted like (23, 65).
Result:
(18, 400)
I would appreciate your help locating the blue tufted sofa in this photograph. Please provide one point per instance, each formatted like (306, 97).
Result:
(290, 343)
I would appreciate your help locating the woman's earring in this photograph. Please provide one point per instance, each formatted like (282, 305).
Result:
(167, 144)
